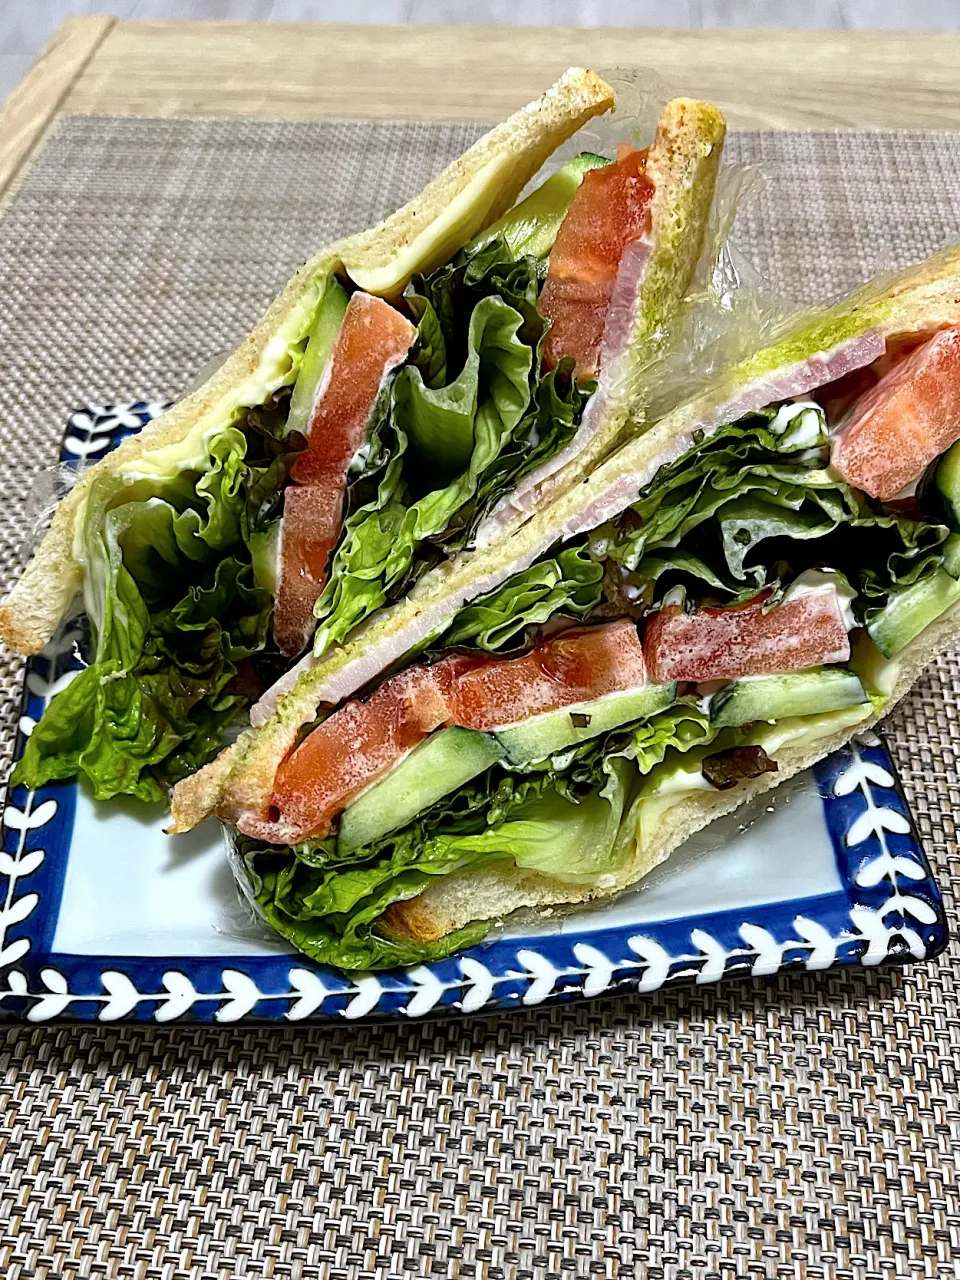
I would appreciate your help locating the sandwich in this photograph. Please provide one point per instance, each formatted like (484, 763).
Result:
(725, 600)
(415, 390)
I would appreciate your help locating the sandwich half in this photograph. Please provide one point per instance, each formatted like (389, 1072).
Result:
(404, 387)
(724, 601)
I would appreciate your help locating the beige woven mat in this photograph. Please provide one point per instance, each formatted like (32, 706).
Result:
(808, 1127)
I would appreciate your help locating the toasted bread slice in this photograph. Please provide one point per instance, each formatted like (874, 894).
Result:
(683, 162)
(469, 194)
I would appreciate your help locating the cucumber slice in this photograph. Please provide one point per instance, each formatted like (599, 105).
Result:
(799, 693)
(951, 555)
(911, 610)
(947, 480)
(545, 735)
(323, 334)
(532, 225)
(431, 771)
(265, 554)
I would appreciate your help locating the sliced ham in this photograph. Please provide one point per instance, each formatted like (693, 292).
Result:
(799, 378)
(373, 339)
(806, 630)
(609, 213)
(784, 384)
(363, 741)
(892, 432)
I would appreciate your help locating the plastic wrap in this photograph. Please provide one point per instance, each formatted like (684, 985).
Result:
(727, 305)
(729, 312)
(50, 486)
(732, 312)
(242, 917)
(640, 99)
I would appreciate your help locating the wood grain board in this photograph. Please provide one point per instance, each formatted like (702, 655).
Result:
(36, 100)
(762, 78)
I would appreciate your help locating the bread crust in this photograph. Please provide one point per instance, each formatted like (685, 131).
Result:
(516, 149)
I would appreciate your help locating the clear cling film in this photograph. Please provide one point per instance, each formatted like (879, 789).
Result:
(640, 98)
(729, 312)
(50, 486)
(726, 311)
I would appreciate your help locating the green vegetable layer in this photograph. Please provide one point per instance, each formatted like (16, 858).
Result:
(464, 419)
(749, 507)
(174, 609)
(561, 817)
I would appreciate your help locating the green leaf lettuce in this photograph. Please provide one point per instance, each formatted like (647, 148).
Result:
(460, 423)
(170, 594)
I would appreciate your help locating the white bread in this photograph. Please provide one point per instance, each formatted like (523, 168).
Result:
(505, 159)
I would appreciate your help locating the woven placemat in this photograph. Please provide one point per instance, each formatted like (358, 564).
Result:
(806, 1127)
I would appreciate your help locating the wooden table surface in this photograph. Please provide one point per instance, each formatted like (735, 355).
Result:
(762, 79)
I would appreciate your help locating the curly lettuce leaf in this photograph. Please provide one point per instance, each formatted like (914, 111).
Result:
(461, 422)
(507, 617)
(442, 425)
(750, 507)
(552, 834)
(332, 915)
(172, 601)
(429, 353)
(564, 818)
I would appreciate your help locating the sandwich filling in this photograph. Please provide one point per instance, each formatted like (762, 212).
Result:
(385, 430)
(755, 595)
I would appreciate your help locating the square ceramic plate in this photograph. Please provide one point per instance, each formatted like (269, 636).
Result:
(102, 917)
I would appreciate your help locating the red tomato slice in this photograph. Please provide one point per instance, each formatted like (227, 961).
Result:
(373, 339)
(308, 533)
(364, 740)
(741, 640)
(574, 667)
(610, 211)
(354, 747)
(895, 430)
